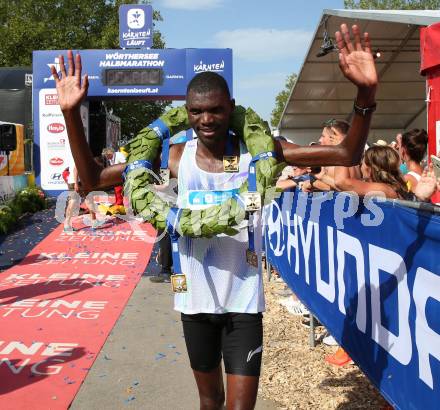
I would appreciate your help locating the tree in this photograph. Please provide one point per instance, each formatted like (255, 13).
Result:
(27, 25)
(393, 4)
(281, 100)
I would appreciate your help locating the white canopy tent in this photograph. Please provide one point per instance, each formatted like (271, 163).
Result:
(321, 91)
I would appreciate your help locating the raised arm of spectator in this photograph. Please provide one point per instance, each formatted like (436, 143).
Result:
(72, 89)
(357, 64)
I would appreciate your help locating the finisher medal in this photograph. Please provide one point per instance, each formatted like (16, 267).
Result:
(252, 201)
(230, 163)
(164, 175)
(178, 283)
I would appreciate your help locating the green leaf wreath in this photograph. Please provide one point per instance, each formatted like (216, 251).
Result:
(248, 126)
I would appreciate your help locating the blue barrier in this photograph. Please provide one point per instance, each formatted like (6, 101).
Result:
(370, 271)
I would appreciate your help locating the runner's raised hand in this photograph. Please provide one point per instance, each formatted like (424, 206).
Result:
(71, 90)
(355, 60)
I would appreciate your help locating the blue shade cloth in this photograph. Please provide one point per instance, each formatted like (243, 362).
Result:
(371, 274)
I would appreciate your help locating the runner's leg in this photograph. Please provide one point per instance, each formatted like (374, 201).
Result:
(211, 389)
(203, 334)
(242, 392)
(242, 347)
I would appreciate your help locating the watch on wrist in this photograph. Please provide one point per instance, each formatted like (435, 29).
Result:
(364, 111)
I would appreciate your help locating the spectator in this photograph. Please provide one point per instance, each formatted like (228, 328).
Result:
(292, 177)
(72, 202)
(380, 173)
(165, 260)
(412, 148)
(322, 179)
(111, 157)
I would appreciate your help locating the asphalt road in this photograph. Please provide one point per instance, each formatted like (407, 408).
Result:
(143, 364)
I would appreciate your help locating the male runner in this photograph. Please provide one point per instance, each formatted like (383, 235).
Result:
(221, 314)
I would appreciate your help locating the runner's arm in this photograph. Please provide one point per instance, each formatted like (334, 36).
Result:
(357, 64)
(71, 91)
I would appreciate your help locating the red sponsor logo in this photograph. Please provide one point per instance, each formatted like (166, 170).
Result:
(56, 127)
(56, 161)
(51, 99)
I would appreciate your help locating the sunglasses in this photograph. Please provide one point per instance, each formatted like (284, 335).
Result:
(330, 123)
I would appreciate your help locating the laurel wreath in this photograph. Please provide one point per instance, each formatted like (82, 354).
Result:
(218, 219)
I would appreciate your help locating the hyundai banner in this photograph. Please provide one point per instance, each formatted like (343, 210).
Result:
(370, 271)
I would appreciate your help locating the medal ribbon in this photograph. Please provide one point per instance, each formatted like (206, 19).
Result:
(172, 222)
(253, 188)
(166, 146)
(253, 169)
(251, 235)
(229, 150)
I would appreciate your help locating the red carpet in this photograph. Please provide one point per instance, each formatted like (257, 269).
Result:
(57, 308)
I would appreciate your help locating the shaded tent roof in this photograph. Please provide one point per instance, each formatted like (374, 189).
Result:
(321, 91)
(12, 78)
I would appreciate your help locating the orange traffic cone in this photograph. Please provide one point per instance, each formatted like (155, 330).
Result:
(340, 358)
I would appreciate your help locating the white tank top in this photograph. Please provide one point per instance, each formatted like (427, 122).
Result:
(219, 279)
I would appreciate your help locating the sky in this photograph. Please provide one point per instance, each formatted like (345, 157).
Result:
(269, 39)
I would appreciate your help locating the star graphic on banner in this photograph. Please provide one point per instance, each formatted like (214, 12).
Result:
(136, 17)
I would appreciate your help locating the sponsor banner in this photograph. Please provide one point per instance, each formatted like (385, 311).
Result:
(57, 308)
(16, 158)
(135, 26)
(371, 273)
(55, 154)
(152, 74)
(217, 60)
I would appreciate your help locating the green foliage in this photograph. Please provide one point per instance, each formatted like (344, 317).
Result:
(135, 115)
(281, 100)
(214, 220)
(393, 4)
(27, 25)
(8, 218)
(27, 200)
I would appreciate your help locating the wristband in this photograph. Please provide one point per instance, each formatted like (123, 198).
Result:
(364, 111)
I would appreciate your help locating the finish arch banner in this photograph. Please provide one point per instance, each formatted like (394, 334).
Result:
(370, 271)
(149, 75)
